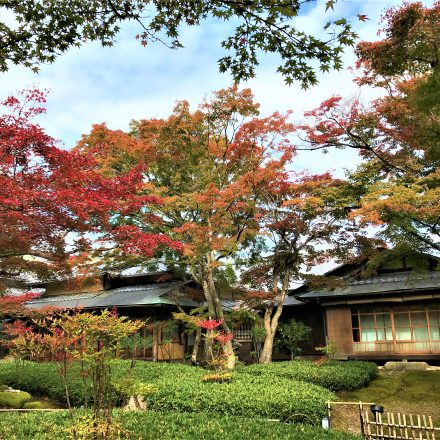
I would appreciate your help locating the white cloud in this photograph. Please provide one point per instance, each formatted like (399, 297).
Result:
(94, 84)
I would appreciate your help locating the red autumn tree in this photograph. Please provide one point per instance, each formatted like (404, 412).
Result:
(56, 209)
(208, 167)
(397, 135)
(15, 305)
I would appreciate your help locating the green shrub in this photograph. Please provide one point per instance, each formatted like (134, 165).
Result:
(333, 375)
(296, 401)
(180, 388)
(13, 400)
(279, 390)
(42, 379)
(35, 405)
(167, 426)
(290, 335)
(3, 387)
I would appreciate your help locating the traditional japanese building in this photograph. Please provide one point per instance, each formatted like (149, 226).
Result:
(151, 298)
(391, 314)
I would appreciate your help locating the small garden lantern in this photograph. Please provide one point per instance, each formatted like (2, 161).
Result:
(376, 409)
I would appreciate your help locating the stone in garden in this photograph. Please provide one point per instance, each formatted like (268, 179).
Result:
(136, 403)
(416, 366)
(405, 366)
(11, 390)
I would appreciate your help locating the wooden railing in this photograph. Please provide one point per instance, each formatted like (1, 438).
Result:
(397, 426)
(389, 425)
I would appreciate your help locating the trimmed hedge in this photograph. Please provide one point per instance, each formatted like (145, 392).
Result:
(180, 388)
(167, 426)
(334, 375)
(294, 401)
(35, 405)
(41, 379)
(295, 391)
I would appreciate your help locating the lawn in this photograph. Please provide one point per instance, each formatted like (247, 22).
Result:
(411, 392)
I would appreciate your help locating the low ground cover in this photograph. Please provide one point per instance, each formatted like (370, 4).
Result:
(166, 426)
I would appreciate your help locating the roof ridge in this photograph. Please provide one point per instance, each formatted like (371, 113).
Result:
(395, 276)
(139, 287)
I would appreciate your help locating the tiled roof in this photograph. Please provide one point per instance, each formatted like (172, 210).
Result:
(292, 301)
(130, 296)
(398, 282)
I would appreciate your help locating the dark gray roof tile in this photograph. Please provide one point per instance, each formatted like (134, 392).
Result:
(399, 282)
(130, 296)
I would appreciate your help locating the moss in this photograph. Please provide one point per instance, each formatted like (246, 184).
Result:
(14, 400)
(411, 392)
(35, 405)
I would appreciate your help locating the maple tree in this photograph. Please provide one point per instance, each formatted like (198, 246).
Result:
(222, 173)
(56, 209)
(208, 167)
(305, 221)
(43, 30)
(15, 305)
(397, 185)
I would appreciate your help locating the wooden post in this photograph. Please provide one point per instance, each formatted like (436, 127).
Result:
(329, 414)
(155, 344)
(361, 419)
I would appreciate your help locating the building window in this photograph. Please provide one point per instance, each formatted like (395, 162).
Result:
(243, 332)
(419, 324)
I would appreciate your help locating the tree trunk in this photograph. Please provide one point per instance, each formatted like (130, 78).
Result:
(215, 309)
(197, 337)
(271, 322)
(208, 354)
(228, 351)
(266, 352)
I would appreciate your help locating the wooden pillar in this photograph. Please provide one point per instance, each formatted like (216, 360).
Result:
(156, 332)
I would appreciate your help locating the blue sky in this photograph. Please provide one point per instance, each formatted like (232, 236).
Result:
(115, 85)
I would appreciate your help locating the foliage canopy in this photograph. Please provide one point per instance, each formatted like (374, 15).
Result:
(45, 29)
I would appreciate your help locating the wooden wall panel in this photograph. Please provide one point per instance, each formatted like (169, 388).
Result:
(172, 351)
(338, 325)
